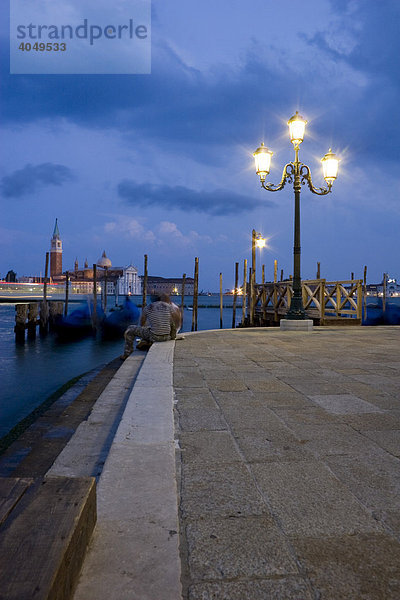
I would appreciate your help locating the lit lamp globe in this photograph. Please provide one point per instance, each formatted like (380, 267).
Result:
(330, 166)
(297, 127)
(260, 242)
(262, 157)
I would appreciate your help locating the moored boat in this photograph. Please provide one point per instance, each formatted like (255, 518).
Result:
(119, 319)
(375, 314)
(79, 323)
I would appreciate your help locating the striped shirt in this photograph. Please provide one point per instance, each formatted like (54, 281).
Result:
(159, 317)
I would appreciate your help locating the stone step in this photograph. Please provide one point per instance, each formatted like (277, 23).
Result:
(45, 527)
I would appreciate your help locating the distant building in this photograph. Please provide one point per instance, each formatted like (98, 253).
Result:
(30, 279)
(129, 283)
(169, 285)
(82, 279)
(55, 253)
(392, 287)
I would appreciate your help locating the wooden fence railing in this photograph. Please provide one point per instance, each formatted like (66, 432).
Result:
(325, 301)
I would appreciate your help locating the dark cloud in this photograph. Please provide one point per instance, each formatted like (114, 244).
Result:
(376, 35)
(176, 103)
(217, 203)
(372, 29)
(203, 112)
(373, 54)
(31, 178)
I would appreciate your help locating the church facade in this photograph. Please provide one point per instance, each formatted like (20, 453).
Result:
(82, 279)
(130, 282)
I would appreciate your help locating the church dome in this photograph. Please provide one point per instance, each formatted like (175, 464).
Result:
(104, 261)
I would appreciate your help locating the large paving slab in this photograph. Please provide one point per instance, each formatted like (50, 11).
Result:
(288, 463)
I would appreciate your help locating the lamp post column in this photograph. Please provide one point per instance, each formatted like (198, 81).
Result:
(253, 251)
(296, 310)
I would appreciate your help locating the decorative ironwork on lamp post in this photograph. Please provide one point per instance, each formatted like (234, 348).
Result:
(299, 174)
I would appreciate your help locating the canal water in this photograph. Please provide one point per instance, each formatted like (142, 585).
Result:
(31, 372)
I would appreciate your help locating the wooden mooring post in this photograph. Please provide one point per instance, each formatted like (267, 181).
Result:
(264, 294)
(55, 311)
(105, 288)
(183, 295)
(221, 302)
(21, 313)
(195, 294)
(275, 292)
(365, 292)
(244, 295)
(33, 313)
(144, 291)
(253, 250)
(94, 314)
(249, 298)
(252, 297)
(116, 292)
(384, 292)
(235, 295)
(44, 317)
(46, 272)
(44, 308)
(66, 293)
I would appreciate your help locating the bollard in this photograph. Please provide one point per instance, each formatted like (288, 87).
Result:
(44, 317)
(55, 312)
(21, 313)
(32, 320)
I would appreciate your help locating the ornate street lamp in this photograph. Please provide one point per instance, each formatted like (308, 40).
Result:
(299, 174)
(260, 241)
(257, 241)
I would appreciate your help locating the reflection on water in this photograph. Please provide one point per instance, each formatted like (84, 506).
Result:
(31, 372)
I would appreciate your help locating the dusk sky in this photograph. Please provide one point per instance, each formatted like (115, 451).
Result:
(162, 163)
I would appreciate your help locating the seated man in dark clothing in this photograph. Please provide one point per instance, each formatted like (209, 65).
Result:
(158, 323)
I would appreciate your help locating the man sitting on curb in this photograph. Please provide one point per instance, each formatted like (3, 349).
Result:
(163, 320)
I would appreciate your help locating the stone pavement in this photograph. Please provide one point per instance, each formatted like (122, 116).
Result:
(249, 464)
(288, 467)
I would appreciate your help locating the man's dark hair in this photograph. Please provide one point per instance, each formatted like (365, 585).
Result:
(161, 298)
(165, 298)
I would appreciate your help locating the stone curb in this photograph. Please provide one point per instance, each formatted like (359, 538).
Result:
(135, 548)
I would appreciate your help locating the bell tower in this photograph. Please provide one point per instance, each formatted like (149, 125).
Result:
(56, 253)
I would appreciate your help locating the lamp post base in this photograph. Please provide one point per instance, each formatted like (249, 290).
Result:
(296, 324)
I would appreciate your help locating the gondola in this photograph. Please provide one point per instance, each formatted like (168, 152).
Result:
(115, 323)
(375, 315)
(79, 323)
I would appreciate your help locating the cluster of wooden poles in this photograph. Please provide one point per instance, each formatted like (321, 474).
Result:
(248, 290)
(44, 314)
(29, 316)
